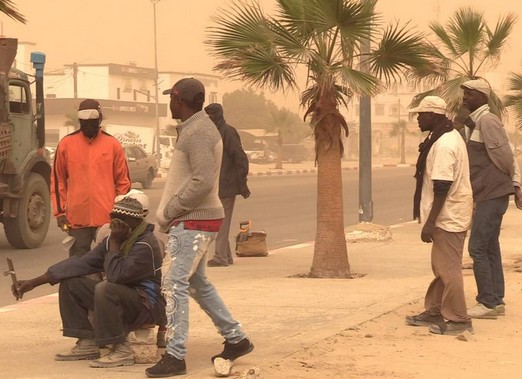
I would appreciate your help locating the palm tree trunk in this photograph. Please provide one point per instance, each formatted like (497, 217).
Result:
(330, 252)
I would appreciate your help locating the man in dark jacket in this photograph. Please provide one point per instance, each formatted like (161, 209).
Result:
(495, 176)
(232, 182)
(129, 297)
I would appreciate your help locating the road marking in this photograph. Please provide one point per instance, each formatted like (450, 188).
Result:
(35, 301)
(298, 246)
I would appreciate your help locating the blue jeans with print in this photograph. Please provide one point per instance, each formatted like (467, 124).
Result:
(187, 250)
(484, 249)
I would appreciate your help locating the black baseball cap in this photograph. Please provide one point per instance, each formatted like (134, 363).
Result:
(187, 89)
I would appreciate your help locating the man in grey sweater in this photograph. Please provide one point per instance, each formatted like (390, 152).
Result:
(495, 176)
(191, 213)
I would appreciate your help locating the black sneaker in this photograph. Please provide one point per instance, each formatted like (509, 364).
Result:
(167, 366)
(233, 351)
(424, 319)
(213, 263)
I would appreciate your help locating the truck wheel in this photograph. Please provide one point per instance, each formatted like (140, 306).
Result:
(29, 228)
(147, 183)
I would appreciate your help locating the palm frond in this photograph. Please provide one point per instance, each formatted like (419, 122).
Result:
(436, 71)
(497, 38)
(8, 8)
(358, 81)
(243, 40)
(466, 30)
(443, 36)
(399, 49)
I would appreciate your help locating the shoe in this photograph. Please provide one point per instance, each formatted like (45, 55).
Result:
(85, 349)
(161, 342)
(501, 310)
(232, 351)
(451, 328)
(167, 366)
(213, 263)
(423, 319)
(120, 355)
(482, 312)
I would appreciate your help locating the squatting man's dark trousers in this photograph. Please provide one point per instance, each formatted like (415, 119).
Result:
(115, 307)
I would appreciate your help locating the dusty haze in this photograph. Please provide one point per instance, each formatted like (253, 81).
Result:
(121, 31)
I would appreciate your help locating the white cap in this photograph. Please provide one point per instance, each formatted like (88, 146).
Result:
(478, 85)
(433, 104)
(137, 195)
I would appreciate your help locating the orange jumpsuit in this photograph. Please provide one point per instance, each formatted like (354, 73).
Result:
(87, 175)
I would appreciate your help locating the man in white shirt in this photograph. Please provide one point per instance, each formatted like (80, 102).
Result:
(443, 204)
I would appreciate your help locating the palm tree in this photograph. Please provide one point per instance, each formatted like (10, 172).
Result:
(9, 9)
(514, 100)
(466, 48)
(287, 125)
(71, 119)
(323, 37)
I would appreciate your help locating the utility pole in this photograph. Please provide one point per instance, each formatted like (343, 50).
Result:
(365, 144)
(75, 80)
(156, 94)
(402, 131)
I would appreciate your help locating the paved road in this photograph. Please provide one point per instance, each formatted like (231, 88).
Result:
(283, 206)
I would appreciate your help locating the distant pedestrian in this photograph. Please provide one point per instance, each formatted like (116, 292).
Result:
(443, 204)
(191, 212)
(89, 170)
(495, 176)
(232, 182)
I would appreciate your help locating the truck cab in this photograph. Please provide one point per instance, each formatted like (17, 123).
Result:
(24, 169)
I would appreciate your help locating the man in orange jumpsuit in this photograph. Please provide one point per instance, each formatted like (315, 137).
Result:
(89, 171)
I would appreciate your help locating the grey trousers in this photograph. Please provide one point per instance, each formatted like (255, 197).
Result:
(84, 238)
(445, 294)
(222, 253)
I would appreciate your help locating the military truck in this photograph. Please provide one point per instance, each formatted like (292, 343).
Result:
(25, 208)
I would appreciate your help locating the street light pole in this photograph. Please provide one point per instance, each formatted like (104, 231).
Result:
(402, 131)
(156, 94)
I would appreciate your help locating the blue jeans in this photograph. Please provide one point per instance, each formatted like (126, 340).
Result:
(484, 249)
(187, 250)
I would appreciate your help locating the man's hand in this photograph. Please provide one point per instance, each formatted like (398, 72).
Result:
(120, 231)
(245, 192)
(427, 232)
(63, 223)
(22, 286)
(518, 198)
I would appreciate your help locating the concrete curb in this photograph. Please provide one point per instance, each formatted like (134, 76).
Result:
(275, 172)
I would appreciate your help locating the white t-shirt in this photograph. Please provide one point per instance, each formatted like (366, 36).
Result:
(448, 160)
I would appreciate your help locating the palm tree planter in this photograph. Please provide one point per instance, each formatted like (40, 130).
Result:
(324, 37)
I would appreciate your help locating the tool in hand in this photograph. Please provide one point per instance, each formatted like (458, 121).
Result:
(11, 272)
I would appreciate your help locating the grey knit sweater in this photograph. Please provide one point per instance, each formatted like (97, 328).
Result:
(191, 188)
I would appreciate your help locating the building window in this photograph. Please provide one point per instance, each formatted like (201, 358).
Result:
(213, 97)
(379, 109)
(127, 86)
(118, 93)
(393, 110)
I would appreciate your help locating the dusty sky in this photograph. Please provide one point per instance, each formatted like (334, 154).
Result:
(121, 31)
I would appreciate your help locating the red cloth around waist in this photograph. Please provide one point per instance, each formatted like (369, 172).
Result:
(203, 225)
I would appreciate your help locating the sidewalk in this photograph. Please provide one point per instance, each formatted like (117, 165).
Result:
(295, 321)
